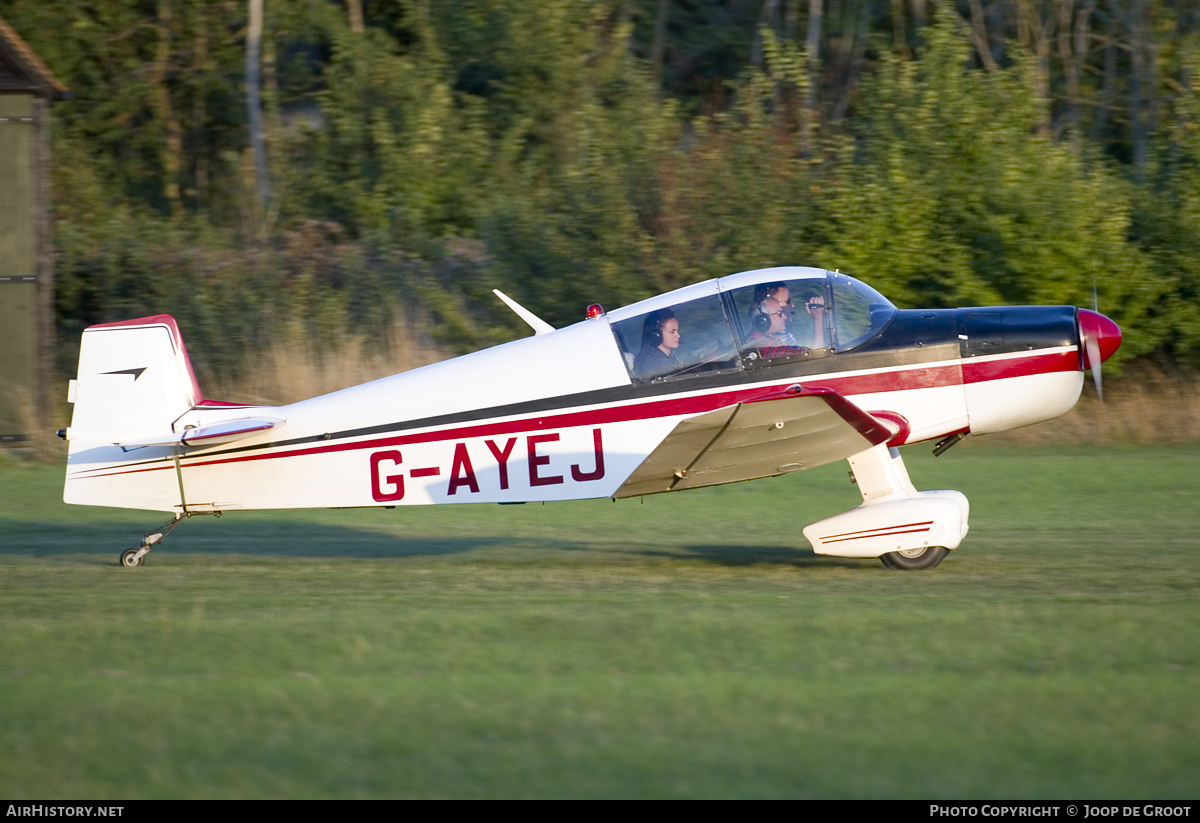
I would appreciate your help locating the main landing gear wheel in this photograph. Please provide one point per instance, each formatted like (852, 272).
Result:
(129, 558)
(926, 557)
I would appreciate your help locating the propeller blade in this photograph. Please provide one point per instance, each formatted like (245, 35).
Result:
(1093, 345)
(1099, 338)
(1094, 359)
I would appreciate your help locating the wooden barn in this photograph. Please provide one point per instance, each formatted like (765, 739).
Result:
(27, 88)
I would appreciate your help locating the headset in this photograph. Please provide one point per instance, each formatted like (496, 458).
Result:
(652, 331)
(760, 321)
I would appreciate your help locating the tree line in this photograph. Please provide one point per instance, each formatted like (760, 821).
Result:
(419, 154)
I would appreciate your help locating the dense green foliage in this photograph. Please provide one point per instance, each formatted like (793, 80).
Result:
(570, 152)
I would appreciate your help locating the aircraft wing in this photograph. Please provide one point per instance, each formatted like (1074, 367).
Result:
(211, 435)
(798, 428)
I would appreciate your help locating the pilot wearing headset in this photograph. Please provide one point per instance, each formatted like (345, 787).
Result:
(660, 341)
(780, 293)
(768, 323)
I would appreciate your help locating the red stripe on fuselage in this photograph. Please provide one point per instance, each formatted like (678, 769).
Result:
(611, 414)
(950, 374)
(975, 371)
(899, 380)
(593, 417)
(676, 406)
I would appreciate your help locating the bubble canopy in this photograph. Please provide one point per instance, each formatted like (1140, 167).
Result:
(747, 320)
(859, 312)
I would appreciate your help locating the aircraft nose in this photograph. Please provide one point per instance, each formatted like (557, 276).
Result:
(1099, 338)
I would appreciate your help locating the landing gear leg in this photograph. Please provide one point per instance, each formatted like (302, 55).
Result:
(137, 556)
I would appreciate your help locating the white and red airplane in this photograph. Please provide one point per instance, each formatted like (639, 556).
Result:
(753, 375)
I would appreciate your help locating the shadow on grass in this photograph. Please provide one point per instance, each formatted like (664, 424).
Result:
(727, 555)
(316, 540)
(34, 539)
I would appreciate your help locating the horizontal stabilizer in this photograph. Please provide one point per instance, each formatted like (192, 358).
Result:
(775, 434)
(211, 435)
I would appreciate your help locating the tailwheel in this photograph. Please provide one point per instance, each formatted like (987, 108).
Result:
(926, 557)
(130, 559)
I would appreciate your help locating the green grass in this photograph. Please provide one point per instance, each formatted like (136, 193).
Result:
(689, 646)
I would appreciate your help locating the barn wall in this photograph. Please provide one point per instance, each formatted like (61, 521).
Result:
(19, 230)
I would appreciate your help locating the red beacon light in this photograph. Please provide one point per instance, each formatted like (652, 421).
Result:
(595, 310)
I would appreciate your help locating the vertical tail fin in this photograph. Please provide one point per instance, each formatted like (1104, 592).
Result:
(134, 380)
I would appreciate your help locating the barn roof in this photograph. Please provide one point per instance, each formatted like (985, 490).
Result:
(22, 70)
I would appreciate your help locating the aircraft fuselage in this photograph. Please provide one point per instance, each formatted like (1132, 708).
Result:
(564, 415)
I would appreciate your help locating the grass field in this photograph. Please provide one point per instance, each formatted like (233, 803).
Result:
(688, 646)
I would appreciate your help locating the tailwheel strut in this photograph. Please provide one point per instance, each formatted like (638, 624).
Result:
(137, 556)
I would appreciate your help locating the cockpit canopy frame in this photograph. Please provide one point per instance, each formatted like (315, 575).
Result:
(748, 321)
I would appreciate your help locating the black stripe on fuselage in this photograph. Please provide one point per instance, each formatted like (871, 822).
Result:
(731, 378)
(800, 368)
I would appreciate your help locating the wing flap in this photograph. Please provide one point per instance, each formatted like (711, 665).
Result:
(775, 434)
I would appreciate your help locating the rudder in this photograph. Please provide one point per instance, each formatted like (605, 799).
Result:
(134, 380)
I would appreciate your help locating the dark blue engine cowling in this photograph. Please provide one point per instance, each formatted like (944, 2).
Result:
(1003, 388)
(979, 331)
(984, 331)
(975, 336)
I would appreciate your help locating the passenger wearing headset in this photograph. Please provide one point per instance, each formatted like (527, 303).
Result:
(660, 340)
(770, 336)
